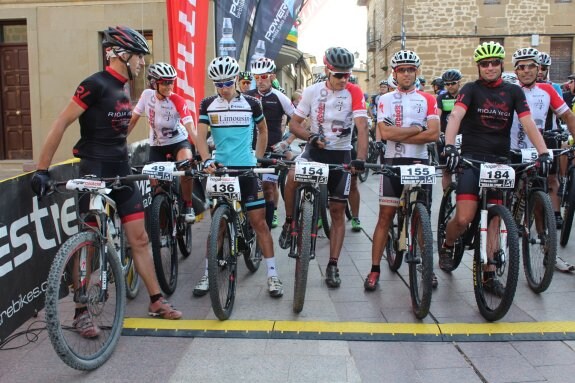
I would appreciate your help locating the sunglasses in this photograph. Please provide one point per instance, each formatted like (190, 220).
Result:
(261, 76)
(493, 63)
(340, 75)
(450, 83)
(526, 66)
(246, 82)
(166, 82)
(407, 69)
(224, 84)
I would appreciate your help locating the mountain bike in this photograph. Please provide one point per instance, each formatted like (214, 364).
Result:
(231, 236)
(492, 234)
(410, 238)
(568, 197)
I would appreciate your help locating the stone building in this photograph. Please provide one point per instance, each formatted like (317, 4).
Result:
(445, 33)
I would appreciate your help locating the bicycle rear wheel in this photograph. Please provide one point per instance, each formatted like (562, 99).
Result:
(253, 255)
(324, 209)
(106, 311)
(164, 248)
(303, 254)
(125, 254)
(222, 265)
(494, 306)
(446, 212)
(393, 255)
(420, 260)
(539, 235)
(569, 208)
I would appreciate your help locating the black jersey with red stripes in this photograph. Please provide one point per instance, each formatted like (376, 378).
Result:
(275, 105)
(107, 112)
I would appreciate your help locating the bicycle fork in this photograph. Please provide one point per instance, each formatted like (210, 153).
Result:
(483, 227)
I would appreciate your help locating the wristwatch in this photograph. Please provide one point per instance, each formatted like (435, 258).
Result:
(423, 127)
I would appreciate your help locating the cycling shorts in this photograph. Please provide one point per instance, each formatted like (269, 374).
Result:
(251, 191)
(390, 188)
(468, 182)
(338, 183)
(159, 153)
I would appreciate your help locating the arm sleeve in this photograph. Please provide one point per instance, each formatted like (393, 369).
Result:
(87, 93)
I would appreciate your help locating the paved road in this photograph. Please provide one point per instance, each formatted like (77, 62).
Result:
(256, 356)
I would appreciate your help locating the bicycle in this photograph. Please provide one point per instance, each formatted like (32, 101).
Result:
(168, 226)
(231, 235)
(503, 244)
(568, 197)
(372, 154)
(414, 245)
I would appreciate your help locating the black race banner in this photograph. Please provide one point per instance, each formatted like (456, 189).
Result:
(232, 19)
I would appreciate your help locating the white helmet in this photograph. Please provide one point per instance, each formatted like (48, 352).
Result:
(162, 71)
(544, 59)
(509, 77)
(223, 68)
(263, 65)
(391, 82)
(525, 54)
(405, 57)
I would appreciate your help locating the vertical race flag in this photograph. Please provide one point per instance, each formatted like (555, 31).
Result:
(188, 25)
(272, 23)
(232, 20)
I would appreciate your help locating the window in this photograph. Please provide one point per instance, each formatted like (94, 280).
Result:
(10, 32)
(138, 84)
(487, 2)
(561, 55)
(562, 1)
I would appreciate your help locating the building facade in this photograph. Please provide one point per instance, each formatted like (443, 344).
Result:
(445, 33)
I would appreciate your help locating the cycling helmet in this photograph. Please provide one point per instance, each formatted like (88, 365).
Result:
(509, 77)
(223, 68)
(489, 50)
(319, 77)
(405, 57)
(353, 79)
(383, 82)
(125, 39)
(422, 80)
(525, 54)
(162, 71)
(544, 59)
(263, 65)
(438, 81)
(391, 82)
(337, 57)
(451, 75)
(246, 76)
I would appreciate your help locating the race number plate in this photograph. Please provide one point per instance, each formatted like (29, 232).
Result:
(160, 170)
(269, 177)
(496, 176)
(311, 172)
(228, 187)
(417, 174)
(530, 155)
(85, 185)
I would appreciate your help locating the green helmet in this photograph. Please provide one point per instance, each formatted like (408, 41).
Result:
(488, 50)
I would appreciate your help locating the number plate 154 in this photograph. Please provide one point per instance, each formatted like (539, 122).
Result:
(311, 172)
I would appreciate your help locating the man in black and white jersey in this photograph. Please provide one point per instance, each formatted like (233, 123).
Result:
(275, 105)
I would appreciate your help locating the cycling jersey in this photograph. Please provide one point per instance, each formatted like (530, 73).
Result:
(445, 102)
(165, 117)
(486, 126)
(107, 113)
(274, 104)
(332, 112)
(541, 97)
(406, 109)
(232, 127)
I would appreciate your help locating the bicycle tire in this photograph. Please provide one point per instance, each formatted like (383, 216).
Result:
(446, 212)
(303, 254)
(348, 214)
(125, 255)
(60, 305)
(491, 306)
(164, 250)
(392, 254)
(539, 258)
(282, 179)
(132, 277)
(569, 209)
(324, 210)
(420, 274)
(253, 255)
(222, 265)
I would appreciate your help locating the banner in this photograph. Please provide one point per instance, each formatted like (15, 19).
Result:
(309, 10)
(272, 23)
(188, 25)
(232, 20)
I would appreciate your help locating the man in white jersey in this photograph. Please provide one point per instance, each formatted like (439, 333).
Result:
(333, 107)
(541, 97)
(407, 118)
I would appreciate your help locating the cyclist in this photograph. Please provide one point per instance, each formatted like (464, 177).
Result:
(231, 116)
(103, 109)
(541, 98)
(543, 72)
(484, 113)
(171, 124)
(438, 86)
(452, 80)
(422, 83)
(334, 106)
(245, 81)
(275, 106)
(407, 119)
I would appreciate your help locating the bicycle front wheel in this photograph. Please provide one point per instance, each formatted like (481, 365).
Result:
(494, 284)
(222, 265)
(569, 209)
(104, 309)
(303, 254)
(164, 248)
(539, 234)
(420, 260)
(446, 212)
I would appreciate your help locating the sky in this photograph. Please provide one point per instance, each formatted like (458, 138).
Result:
(340, 23)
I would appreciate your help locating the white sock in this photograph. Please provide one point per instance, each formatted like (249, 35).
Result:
(272, 270)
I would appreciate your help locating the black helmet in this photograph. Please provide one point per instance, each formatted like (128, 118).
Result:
(339, 58)
(438, 82)
(451, 75)
(246, 76)
(422, 80)
(125, 38)
(383, 82)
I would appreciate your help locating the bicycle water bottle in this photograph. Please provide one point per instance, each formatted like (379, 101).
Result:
(259, 52)
(227, 45)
